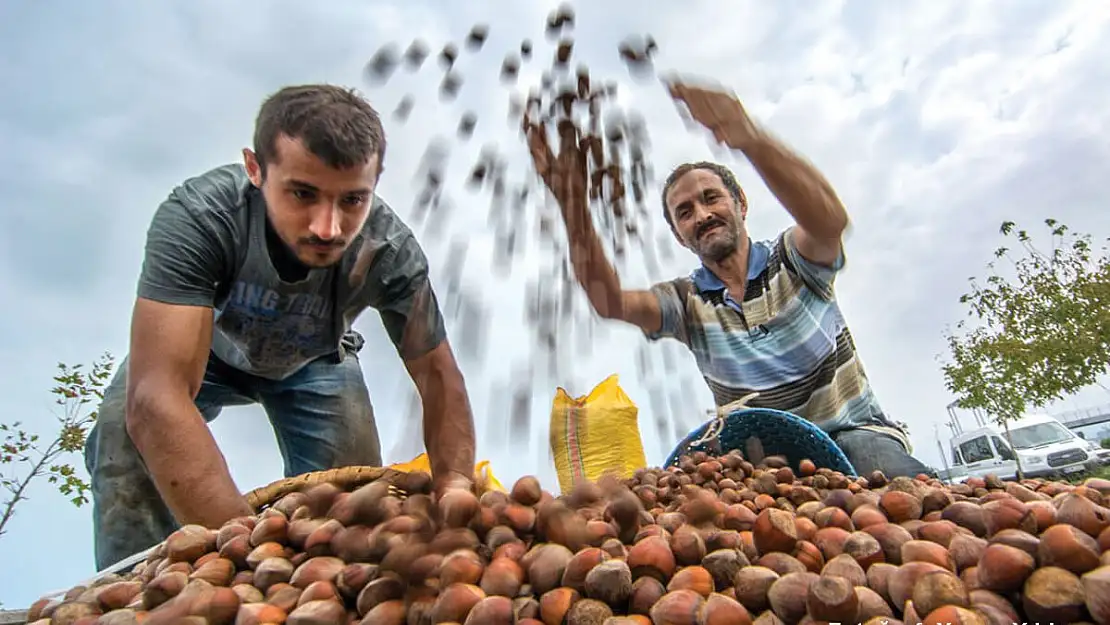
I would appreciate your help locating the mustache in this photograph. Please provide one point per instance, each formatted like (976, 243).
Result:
(712, 223)
(317, 241)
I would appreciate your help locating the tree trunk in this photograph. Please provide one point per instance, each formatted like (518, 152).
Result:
(1017, 456)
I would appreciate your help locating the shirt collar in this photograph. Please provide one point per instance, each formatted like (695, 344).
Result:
(758, 254)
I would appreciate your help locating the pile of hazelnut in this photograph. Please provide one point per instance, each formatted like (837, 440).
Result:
(712, 540)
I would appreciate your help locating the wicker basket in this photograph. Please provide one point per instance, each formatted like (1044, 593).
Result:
(346, 478)
(780, 433)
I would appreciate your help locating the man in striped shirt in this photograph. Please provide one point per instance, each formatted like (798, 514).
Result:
(759, 316)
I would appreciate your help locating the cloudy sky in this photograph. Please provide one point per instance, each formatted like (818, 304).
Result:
(934, 120)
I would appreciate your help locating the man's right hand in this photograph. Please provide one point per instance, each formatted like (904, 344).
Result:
(169, 355)
(565, 175)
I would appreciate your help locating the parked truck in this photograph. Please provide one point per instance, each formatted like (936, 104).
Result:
(1045, 446)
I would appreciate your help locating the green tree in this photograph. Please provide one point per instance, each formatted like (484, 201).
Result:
(25, 456)
(1036, 334)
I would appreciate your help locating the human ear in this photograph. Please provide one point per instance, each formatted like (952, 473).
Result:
(254, 170)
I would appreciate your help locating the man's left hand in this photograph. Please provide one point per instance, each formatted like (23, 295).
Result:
(719, 111)
(451, 482)
(456, 500)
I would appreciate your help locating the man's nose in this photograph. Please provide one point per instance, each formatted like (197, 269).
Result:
(702, 213)
(325, 222)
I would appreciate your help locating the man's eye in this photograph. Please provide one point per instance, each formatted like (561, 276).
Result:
(354, 200)
(304, 195)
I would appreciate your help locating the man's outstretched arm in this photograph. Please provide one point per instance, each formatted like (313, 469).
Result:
(412, 317)
(169, 352)
(189, 245)
(565, 176)
(805, 193)
(448, 421)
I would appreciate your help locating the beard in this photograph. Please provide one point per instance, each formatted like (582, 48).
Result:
(718, 245)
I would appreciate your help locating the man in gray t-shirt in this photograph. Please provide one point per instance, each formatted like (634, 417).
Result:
(251, 279)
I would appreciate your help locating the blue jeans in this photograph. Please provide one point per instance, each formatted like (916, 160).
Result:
(868, 450)
(321, 416)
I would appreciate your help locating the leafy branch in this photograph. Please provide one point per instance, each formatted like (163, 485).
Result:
(1037, 335)
(25, 456)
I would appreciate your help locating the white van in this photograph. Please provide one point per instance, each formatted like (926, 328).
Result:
(1047, 449)
(1097, 451)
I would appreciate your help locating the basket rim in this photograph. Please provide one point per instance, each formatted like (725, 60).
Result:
(700, 430)
(344, 477)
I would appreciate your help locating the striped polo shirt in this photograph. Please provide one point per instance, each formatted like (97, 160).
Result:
(786, 340)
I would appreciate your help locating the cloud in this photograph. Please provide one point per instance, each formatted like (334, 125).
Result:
(934, 121)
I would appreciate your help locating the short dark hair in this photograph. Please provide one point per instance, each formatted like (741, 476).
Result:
(724, 173)
(336, 124)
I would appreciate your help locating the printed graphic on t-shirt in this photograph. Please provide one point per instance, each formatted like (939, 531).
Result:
(277, 330)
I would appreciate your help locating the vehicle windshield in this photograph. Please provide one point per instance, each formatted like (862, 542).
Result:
(1039, 434)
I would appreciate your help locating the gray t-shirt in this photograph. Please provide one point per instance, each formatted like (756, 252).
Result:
(206, 246)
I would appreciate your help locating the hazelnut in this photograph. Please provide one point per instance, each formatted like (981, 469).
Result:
(810, 556)
(788, 594)
(1052, 594)
(871, 604)
(546, 570)
(588, 612)
(1096, 589)
(503, 577)
(925, 551)
(688, 546)
(556, 603)
(955, 615)
(456, 601)
(526, 491)
(845, 566)
(830, 540)
(380, 590)
(695, 578)
(901, 582)
(646, 591)
(678, 607)
(1003, 568)
(782, 563)
(986, 598)
(652, 556)
(775, 531)
(891, 537)
(832, 598)
(1081, 512)
(723, 565)
(864, 549)
(968, 515)
(1069, 548)
(900, 506)
(751, 585)
(879, 576)
(720, 609)
(966, 550)
(579, 565)
(320, 568)
(937, 589)
(611, 582)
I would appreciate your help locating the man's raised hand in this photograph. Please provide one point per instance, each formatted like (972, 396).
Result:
(564, 174)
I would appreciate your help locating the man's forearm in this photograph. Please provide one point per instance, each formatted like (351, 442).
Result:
(448, 427)
(591, 268)
(185, 462)
(798, 185)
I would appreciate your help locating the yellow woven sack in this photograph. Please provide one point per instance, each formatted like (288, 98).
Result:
(595, 434)
(483, 474)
